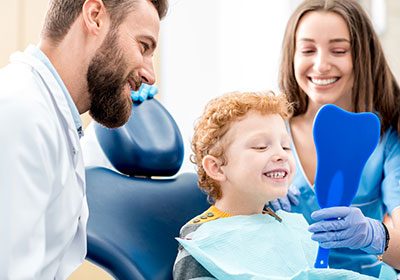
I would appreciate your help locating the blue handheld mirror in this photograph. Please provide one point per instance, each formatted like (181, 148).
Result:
(344, 141)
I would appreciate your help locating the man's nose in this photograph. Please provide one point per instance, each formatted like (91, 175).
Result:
(147, 73)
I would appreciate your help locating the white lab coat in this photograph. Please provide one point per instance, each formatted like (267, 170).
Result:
(43, 208)
(93, 154)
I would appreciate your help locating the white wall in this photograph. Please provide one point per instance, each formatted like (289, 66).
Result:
(209, 47)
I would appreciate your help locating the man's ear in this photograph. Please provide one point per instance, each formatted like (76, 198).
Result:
(212, 166)
(94, 15)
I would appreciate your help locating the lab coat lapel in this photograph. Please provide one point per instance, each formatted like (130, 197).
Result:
(61, 105)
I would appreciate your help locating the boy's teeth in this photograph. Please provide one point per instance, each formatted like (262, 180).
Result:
(276, 175)
(323, 82)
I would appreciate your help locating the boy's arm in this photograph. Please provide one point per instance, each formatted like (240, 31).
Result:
(186, 267)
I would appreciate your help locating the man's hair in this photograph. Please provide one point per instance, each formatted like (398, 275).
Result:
(375, 88)
(62, 14)
(218, 115)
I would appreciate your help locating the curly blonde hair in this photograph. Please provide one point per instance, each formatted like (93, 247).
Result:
(216, 120)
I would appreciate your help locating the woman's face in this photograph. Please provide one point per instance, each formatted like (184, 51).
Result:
(323, 62)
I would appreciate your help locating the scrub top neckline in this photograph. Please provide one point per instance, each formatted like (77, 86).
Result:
(297, 158)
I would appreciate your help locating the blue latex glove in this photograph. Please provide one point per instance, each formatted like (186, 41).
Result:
(285, 203)
(339, 227)
(145, 92)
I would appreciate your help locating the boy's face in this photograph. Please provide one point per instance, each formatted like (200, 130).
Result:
(260, 164)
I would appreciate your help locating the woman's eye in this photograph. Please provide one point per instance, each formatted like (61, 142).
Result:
(307, 51)
(339, 51)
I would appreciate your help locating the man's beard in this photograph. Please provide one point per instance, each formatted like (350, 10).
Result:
(106, 82)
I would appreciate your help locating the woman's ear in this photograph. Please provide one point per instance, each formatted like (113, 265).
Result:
(212, 166)
(94, 15)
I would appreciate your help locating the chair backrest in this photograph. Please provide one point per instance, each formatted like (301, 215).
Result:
(149, 144)
(133, 221)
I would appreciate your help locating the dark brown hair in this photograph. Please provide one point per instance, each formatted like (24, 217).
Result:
(62, 14)
(375, 88)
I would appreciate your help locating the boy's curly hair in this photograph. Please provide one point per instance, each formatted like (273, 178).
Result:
(216, 120)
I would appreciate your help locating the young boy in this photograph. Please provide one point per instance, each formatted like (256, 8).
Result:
(244, 160)
(242, 152)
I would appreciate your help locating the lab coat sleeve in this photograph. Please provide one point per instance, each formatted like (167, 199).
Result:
(391, 180)
(28, 165)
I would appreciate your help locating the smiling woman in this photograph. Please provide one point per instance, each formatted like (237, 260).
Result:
(331, 54)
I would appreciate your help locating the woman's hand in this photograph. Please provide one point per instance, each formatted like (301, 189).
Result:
(285, 203)
(347, 227)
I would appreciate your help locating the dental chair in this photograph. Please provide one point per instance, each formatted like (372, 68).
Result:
(136, 213)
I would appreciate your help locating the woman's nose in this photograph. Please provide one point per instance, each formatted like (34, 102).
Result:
(321, 63)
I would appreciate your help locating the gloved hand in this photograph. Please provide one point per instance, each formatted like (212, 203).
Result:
(285, 203)
(339, 227)
(145, 92)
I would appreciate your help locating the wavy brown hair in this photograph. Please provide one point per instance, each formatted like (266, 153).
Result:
(217, 118)
(375, 88)
(62, 14)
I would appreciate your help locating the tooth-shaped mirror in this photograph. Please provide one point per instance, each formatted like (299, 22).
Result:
(344, 141)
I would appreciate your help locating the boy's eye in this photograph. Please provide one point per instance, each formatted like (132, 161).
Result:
(259, 147)
(287, 148)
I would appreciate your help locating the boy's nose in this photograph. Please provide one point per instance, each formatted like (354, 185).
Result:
(280, 155)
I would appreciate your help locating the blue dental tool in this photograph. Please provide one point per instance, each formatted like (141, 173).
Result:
(344, 141)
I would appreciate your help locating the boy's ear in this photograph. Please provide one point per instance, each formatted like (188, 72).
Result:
(212, 166)
(94, 15)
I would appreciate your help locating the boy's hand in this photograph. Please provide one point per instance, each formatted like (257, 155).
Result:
(285, 203)
(145, 92)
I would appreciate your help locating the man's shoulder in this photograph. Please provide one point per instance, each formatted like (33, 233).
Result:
(21, 93)
(13, 72)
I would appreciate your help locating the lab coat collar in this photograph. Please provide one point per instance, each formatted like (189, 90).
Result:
(37, 53)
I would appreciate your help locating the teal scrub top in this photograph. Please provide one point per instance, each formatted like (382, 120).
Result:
(378, 194)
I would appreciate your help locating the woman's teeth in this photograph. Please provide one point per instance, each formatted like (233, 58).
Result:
(324, 82)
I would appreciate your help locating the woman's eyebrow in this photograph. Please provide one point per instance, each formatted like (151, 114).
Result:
(336, 40)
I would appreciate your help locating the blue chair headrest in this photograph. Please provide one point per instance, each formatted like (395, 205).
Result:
(149, 144)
